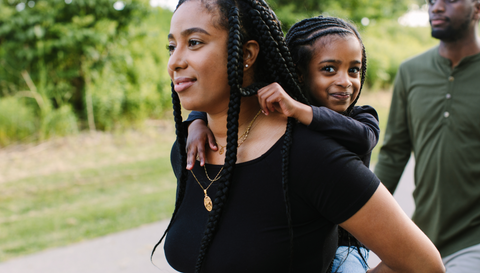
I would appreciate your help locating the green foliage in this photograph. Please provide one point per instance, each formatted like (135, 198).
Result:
(85, 64)
(290, 12)
(83, 52)
(388, 44)
(17, 121)
(59, 122)
(133, 85)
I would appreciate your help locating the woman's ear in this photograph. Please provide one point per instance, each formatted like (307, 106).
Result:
(250, 53)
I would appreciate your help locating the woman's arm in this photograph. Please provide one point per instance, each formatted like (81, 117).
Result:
(385, 229)
(358, 133)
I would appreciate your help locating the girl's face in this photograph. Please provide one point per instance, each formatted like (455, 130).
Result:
(333, 76)
(198, 58)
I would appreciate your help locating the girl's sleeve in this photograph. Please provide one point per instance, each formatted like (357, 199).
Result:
(193, 116)
(196, 115)
(358, 133)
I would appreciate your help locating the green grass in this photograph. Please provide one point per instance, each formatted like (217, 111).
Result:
(56, 209)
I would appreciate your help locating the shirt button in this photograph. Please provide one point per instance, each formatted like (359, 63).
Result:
(451, 78)
(448, 96)
(446, 114)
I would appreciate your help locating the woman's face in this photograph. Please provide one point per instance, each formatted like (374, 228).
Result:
(198, 58)
(333, 77)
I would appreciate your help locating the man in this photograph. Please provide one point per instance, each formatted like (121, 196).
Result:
(435, 113)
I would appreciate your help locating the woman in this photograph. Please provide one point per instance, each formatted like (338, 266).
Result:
(278, 193)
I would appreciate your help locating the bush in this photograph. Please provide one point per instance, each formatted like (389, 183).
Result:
(17, 121)
(59, 122)
(388, 44)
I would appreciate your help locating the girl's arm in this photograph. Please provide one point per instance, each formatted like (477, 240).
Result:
(198, 135)
(358, 133)
(386, 230)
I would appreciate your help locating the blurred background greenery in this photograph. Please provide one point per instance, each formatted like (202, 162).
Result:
(73, 65)
(83, 82)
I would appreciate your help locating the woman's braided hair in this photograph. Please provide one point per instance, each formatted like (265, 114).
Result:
(300, 39)
(302, 35)
(245, 20)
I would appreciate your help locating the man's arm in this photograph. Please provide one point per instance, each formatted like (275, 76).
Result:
(397, 145)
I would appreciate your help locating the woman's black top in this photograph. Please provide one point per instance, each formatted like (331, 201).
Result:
(327, 185)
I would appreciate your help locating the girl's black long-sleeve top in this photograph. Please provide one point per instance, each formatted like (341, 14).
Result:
(358, 132)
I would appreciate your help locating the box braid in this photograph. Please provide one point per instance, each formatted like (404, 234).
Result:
(181, 140)
(307, 31)
(247, 20)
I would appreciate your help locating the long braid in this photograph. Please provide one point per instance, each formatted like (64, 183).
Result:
(307, 31)
(235, 79)
(285, 173)
(278, 50)
(181, 141)
(273, 41)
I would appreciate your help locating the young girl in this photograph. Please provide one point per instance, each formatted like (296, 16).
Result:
(331, 64)
(272, 204)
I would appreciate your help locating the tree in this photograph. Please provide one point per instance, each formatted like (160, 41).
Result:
(289, 12)
(59, 52)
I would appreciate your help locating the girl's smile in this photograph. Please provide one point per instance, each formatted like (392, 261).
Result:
(343, 96)
(333, 76)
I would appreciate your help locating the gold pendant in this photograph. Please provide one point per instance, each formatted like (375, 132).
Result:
(207, 202)
(222, 150)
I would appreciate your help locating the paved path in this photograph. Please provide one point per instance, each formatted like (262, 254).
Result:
(123, 252)
(129, 251)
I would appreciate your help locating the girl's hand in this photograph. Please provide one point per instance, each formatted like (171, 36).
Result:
(198, 134)
(273, 98)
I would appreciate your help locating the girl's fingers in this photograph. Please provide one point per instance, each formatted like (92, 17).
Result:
(191, 155)
(261, 100)
(212, 143)
(201, 156)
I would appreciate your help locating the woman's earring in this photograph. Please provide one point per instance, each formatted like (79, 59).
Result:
(246, 65)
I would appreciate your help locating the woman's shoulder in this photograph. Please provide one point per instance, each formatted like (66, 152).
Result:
(316, 148)
(303, 136)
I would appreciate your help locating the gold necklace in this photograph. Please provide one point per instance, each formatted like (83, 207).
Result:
(243, 137)
(216, 177)
(207, 202)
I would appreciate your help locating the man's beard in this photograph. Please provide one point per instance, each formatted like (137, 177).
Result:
(451, 34)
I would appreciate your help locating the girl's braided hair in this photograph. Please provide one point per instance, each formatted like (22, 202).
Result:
(302, 35)
(300, 39)
(244, 20)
